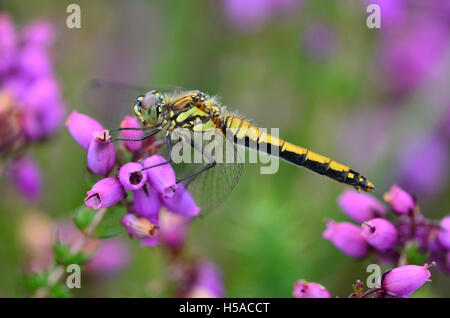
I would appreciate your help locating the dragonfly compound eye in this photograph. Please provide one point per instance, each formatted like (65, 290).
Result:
(150, 100)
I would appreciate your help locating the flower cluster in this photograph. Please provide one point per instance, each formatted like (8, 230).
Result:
(31, 106)
(149, 180)
(399, 282)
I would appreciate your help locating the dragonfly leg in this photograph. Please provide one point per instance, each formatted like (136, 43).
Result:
(205, 168)
(126, 128)
(154, 132)
(169, 148)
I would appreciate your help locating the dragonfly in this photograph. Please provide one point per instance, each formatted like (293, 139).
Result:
(195, 111)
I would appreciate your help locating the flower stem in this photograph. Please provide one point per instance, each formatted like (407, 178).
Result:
(58, 271)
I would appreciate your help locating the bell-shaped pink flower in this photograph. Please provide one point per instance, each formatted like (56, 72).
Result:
(112, 256)
(131, 122)
(105, 193)
(181, 203)
(404, 280)
(444, 232)
(346, 237)
(207, 281)
(132, 177)
(162, 178)
(146, 203)
(83, 128)
(380, 233)
(39, 33)
(361, 207)
(400, 200)
(303, 289)
(26, 177)
(101, 156)
(139, 227)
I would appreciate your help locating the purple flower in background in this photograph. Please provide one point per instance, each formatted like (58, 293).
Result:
(131, 122)
(39, 33)
(252, 14)
(26, 177)
(444, 232)
(105, 193)
(111, 257)
(361, 207)
(347, 238)
(207, 282)
(405, 280)
(101, 156)
(303, 289)
(132, 177)
(82, 128)
(400, 200)
(379, 233)
(319, 41)
(433, 163)
(174, 228)
(162, 177)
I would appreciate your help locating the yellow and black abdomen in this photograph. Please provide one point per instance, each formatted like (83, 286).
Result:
(244, 133)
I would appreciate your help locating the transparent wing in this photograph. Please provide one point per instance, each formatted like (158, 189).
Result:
(213, 186)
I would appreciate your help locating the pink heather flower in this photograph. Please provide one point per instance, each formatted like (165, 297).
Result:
(139, 227)
(207, 282)
(101, 156)
(131, 122)
(361, 207)
(8, 42)
(181, 203)
(82, 128)
(346, 237)
(404, 280)
(400, 201)
(162, 178)
(39, 33)
(26, 177)
(444, 232)
(303, 289)
(111, 257)
(379, 233)
(105, 193)
(146, 203)
(131, 176)
(174, 228)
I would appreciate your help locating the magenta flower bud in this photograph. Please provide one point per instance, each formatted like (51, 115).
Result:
(303, 289)
(400, 200)
(174, 228)
(132, 177)
(82, 128)
(380, 233)
(105, 193)
(101, 156)
(34, 62)
(26, 178)
(146, 203)
(444, 232)
(404, 280)
(346, 237)
(131, 122)
(361, 207)
(181, 203)
(162, 178)
(139, 227)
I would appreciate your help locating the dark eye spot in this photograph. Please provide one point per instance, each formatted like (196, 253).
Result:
(135, 177)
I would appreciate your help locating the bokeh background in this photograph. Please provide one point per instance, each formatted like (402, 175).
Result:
(375, 99)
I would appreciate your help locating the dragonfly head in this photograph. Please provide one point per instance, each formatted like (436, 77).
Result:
(148, 108)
